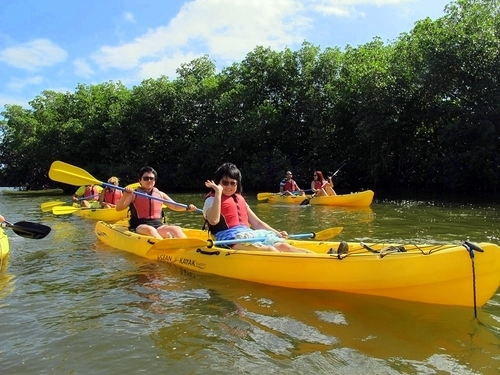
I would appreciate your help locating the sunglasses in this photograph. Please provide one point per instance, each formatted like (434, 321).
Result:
(147, 178)
(315, 175)
(226, 183)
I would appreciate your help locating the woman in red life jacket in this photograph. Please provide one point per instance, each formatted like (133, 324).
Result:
(229, 217)
(109, 197)
(91, 195)
(145, 213)
(318, 184)
(289, 187)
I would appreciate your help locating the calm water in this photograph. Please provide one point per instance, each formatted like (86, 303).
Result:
(70, 305)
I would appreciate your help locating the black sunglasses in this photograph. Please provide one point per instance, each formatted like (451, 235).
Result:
(226, 182)
(147, 178)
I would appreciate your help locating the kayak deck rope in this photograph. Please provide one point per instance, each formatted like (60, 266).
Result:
(470, 247)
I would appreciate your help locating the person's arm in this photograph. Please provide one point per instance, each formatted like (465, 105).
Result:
(126, 199)
(79, 193)
(101, 198)
(312, 187)
(212, 213)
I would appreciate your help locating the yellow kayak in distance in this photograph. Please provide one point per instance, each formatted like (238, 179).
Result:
(105, 214)
(32, 192)
(358, 199)
(435, 274)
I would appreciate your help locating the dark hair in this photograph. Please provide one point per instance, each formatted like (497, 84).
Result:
(229, 170)
(320, 176)
(145, 170)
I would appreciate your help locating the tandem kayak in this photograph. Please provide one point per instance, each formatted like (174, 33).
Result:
(436, 274)
(4, 246)
(33, 192)
(359, 199)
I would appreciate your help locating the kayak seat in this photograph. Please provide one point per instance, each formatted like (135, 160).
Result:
(342, 250)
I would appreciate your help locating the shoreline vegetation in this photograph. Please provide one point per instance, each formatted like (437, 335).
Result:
(418, 112)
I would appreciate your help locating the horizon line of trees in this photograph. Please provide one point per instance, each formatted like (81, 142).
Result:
(422, 112)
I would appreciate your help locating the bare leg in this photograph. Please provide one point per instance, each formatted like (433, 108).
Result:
(286, 247)
(148, 230)
(174, 231)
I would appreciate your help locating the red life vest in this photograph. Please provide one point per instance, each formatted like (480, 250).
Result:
(290, 185)
(230, 217)
(112, 195)
(145, 208)
(318, 185)
(91, 193)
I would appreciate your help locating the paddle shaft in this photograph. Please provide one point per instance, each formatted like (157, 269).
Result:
(338, 170)
(69, 174)
(151, 197)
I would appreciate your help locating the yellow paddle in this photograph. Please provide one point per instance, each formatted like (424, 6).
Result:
(71, 175)
(185, 243)
(47, 206)
(65, 210)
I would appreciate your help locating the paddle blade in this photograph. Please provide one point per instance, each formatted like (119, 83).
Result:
(47, 206)
(65, 210)
(264, 196)
(29, 230)
(71, 175)
(327, 233)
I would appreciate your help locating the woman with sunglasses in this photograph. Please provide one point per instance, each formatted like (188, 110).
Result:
(318, 184)
(146, 214)
(229, 217)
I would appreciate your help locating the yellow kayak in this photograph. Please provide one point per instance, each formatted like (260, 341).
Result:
(4, 246)
(106, 214)
(437, 274)
(359, 199)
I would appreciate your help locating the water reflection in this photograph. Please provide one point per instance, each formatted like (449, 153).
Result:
(244, 320)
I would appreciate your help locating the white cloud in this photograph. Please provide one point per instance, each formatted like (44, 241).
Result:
(17, 84)
(82, 68)
(33, 55)
(348, 8)
(129, 17)
(166, 66)
(222, 28)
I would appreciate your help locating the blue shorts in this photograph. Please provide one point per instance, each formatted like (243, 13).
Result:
(241, 232)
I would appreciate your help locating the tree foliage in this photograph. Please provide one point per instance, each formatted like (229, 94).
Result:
(421, 111)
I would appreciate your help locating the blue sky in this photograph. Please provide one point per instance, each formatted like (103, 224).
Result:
(58, 44)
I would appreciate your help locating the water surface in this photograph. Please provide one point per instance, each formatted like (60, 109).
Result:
(70, 305)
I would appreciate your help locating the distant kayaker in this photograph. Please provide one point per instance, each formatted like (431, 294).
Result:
(320, 186)
(146, 214)
(90, 193)
(288, 186)
(229, 217)
(109, 197)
